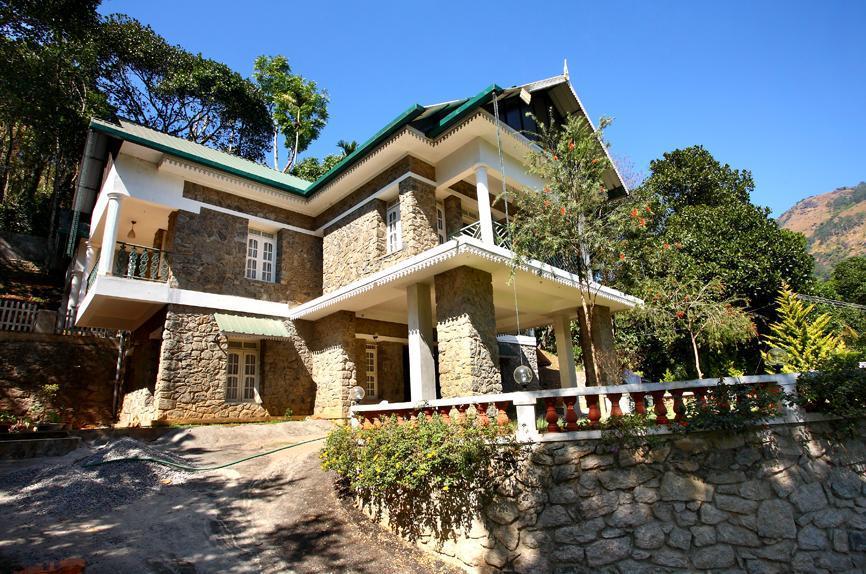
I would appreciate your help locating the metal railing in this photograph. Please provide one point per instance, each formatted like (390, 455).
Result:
(526, 403)
(139, 262)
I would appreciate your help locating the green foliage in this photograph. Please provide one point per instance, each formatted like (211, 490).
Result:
(730, 408)
(7, 417)
(698, 310)
(289, 412)
(429, 473)
(298, 109)
(836, 388)
(804, 340)
(849, 279)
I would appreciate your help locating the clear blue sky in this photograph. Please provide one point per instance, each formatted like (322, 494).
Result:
(775, 87)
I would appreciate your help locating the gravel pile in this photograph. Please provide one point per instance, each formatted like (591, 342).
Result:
(74, 490)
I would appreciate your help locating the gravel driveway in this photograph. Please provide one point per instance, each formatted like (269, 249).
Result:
(272, 514)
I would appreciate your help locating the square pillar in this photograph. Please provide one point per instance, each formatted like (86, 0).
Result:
(602, 338)
(453, 208)
(417, 216)
(466, 333)
(565, 352)
(333, 358)
(422, 368)
(485, 217)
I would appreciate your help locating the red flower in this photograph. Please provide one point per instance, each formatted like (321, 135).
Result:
(642, 222)
(634, 212)
(595, 160)
(622, 256)
(562, 210)
(680, 314)
(666, 245)
(555, 158)
(571, 145)
(648, 210)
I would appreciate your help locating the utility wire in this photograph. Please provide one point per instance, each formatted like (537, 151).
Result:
(834, 302)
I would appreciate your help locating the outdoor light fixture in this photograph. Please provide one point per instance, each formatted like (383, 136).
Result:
(131, 234)
(523, 375)
(357, 393)
(776, 357)
(525, 96)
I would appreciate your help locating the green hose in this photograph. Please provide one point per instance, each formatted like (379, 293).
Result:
(196, 468)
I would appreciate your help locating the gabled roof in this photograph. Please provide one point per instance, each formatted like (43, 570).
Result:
(432, 121)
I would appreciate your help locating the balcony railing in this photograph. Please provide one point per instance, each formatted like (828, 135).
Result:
(502, 239)
(139, 262)
(528, 405)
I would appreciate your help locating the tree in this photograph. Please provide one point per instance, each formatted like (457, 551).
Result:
(701, 311)
(312, 168)
(849, 279)
(571, 221)
(298, 109)
(804, 341)
(164, 87)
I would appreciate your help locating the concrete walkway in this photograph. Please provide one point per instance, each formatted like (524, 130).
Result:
(273, 514)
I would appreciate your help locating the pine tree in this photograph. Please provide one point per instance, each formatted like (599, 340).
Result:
(805, 342)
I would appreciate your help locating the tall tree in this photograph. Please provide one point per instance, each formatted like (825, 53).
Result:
(312, 168)
(298, 109)
(164, 87)
(571, 221)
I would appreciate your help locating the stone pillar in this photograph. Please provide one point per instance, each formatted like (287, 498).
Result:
(602, 338)
(453, 208)
(482, 192)
(417, 216)
(565, 352)
(334, 369)
(109, 233)
(422, 369)
(466, 332)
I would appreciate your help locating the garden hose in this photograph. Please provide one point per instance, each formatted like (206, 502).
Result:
(196, 468)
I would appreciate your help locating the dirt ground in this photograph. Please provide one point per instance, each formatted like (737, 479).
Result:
(273, 514)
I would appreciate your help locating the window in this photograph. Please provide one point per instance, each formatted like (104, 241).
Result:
(242, 372)
(371, 379)
(440, 224)
(392, 217)
(261, 247)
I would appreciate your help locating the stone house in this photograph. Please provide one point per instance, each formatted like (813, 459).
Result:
(247, 292)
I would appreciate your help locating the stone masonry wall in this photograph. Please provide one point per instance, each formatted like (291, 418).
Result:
(244, 205)
(779, 499)
(333, 359)
(466, 331)
(207, 252)
(509, 359)
(83, 367)
(192, 372)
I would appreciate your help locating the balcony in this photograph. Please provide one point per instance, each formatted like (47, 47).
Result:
(140, 262)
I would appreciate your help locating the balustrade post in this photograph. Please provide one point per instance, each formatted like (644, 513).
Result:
(428, 413)
(367, 424)
(639, 404)
(594, 414)
(614, 398)
(570, 413)
(700, 396)
(551, 416)
(501, 415)
(461, 414)
(659, 407)
(445, 413)
(679, 407)
(481, 413)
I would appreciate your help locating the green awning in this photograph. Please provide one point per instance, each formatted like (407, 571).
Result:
(251, 326)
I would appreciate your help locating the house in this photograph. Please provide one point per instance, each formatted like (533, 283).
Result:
(247, 292)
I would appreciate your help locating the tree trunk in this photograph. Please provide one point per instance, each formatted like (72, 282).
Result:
(276, 148)
(7, 157)
(697, 356)
(590, 361)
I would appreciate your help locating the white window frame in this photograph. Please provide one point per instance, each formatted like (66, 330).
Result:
(241, 385)
(441, 232)
(261, 259)
(393, 228)
(371, 370)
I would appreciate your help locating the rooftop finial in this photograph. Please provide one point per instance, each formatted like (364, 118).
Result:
(565, 67)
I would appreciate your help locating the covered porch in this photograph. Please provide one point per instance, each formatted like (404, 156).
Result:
(457, 301)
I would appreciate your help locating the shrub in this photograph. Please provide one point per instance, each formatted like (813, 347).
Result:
(729, 407)
(837, 388)
(428, 474)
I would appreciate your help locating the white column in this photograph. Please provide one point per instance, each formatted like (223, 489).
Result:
(483, 194)
(422, 370)
(564, 351)
(109, 233)
(89, 262)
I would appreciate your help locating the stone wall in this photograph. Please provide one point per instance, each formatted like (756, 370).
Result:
(191, 379)
(333, 357)
(356, 245)
(84, 367)
(780, 499)
(243, 205)
(207, 252)
(509, 359)
(466, 331)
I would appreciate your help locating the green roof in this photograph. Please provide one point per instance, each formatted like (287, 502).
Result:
(436, 120)
(251, 326)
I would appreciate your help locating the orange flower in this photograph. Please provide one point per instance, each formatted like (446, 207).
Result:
(571, 145)
(555, 158)
(595, 160)
(648, 210)
(634, 212)
(622, 256)
(666, 245)
(642, 222)
(546, 189)
(680, 314)
(562, 210)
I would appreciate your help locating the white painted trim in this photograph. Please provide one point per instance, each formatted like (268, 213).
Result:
(522, 340)
(381, 338)
(384, 190)
(255, 221)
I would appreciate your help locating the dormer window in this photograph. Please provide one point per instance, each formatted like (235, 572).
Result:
(261, 251)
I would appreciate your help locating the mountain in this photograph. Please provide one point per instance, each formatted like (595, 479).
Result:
(834, 224)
